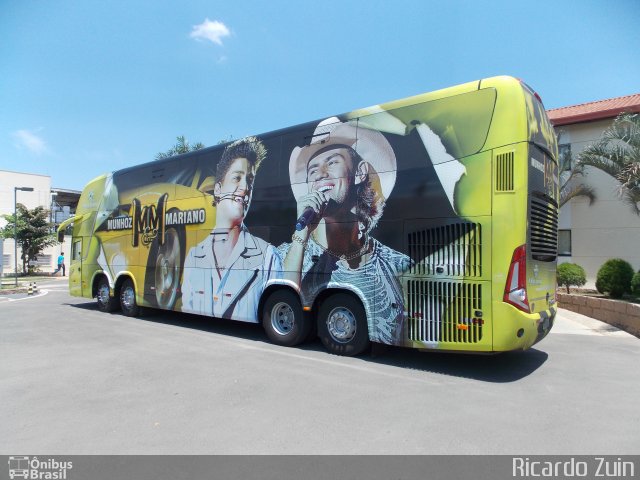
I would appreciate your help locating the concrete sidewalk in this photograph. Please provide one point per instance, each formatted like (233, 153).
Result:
(572, 323)
(9, 288)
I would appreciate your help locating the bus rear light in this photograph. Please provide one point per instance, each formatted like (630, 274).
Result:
(515, 291)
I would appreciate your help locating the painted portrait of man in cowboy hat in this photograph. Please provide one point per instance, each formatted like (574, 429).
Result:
(224, 275)
(345, 175)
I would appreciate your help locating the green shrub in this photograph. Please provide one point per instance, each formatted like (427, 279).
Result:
(571, 274)
(635, 283)
(614, 277)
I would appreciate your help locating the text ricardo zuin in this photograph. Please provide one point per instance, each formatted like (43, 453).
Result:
(616, 467)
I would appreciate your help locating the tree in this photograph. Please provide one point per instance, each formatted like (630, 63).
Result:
(614, 277)
(571, 274)
(34, 232)
(629, 179)
(617, 153)
(635, 283)
(569, 186)
(182, 146)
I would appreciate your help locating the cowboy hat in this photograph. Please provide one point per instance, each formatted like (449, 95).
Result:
(370, 145)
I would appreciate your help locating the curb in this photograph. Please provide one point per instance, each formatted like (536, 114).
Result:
(624, 315)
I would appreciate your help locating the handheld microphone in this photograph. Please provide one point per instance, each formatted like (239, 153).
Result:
(307, 217)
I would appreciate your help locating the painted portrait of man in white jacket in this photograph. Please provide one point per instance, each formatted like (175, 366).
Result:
(225, 274)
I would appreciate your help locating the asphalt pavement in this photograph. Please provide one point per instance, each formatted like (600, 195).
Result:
(78, 381)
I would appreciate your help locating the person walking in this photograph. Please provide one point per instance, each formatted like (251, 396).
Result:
(60, 265)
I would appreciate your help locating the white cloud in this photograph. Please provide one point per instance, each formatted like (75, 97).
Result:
(213, 31)
(30, 141)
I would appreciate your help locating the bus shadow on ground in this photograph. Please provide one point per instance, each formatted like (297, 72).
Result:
(500, 368)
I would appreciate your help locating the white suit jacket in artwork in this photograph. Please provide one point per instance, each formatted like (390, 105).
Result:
(237, 294)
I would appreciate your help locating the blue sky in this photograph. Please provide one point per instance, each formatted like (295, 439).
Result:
(91, 86)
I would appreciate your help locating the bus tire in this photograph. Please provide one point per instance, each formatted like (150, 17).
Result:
(342, 325)
(106, 303)
(283, 319)
(128, 302)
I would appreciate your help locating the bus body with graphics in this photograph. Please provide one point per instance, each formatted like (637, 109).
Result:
(434, 227)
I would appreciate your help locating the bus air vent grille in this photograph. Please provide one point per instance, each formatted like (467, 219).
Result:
(444, 311)
(448, 250)
(543, 230)
(504, 172)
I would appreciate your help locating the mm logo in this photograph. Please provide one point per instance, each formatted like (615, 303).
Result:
(148, 221)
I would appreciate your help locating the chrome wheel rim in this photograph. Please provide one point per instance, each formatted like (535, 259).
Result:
(282, 318)
(128, 298)
(341, 324)
(103, 294)
(167, 276)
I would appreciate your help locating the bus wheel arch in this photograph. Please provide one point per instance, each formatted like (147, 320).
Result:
(126, 293)
(342, 323)
(283, 318)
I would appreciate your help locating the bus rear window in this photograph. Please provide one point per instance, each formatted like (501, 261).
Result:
(541, 131)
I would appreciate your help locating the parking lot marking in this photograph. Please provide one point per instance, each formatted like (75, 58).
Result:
(42, 294)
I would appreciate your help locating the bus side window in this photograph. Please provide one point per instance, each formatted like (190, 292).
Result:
(76, 250)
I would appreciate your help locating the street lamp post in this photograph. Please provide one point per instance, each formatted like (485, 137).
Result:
(15, 225)
(53, 202)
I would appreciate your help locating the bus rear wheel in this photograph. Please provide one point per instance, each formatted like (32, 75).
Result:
(342, 325)
(128, 302)
(106, 303)
(283, 319)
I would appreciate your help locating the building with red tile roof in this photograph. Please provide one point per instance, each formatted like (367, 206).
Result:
(587, 112)
(591, 233)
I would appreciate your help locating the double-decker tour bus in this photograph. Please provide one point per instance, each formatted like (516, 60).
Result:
(428, 222)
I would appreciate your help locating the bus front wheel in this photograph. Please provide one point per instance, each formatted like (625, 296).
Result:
(128, 299)
(283, 319)
(342, 325)
(106, 303)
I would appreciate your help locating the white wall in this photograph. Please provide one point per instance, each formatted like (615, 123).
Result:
(41, 196)
(606, 229)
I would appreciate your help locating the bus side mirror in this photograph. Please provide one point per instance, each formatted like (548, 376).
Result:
(62, 228)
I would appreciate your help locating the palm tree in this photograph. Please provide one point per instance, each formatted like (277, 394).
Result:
(617, 154)
(228, 139)
(182, 146)
(569, 186)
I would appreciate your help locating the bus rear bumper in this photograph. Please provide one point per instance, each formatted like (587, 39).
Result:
(516, 330)
(547, 318)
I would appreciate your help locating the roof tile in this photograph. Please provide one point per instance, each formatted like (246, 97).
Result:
(594, 110)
